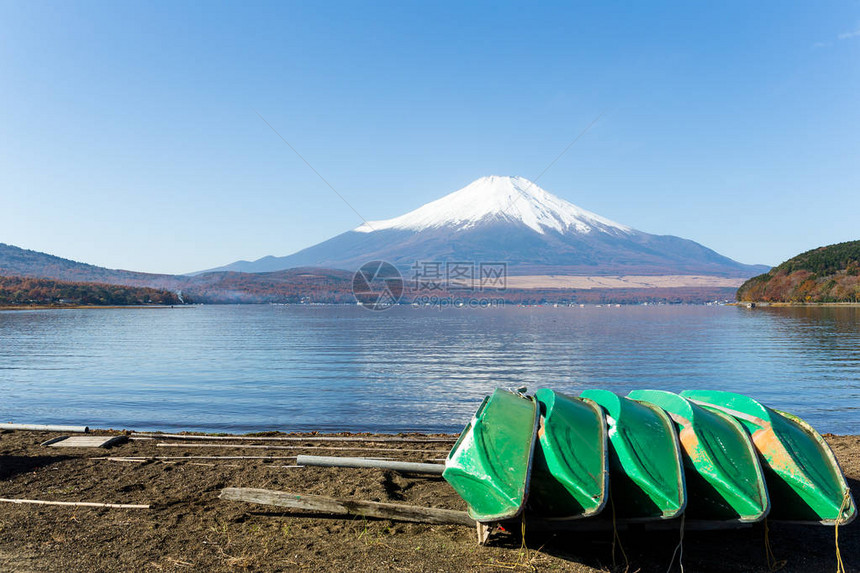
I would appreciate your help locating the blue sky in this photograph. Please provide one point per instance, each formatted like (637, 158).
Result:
(129, 134)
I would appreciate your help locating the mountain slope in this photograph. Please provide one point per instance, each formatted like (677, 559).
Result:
(825, 274)
(511, 220)
(293, 285)
(15, 261)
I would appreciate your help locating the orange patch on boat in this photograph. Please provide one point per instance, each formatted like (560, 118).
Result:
(689, 440)
(769, 445)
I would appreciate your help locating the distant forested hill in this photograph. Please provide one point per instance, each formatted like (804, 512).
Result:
(21, 291)
(15, 261)
(825, 274)
(293, 285)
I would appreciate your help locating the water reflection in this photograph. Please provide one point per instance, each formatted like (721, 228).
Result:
(260, 367)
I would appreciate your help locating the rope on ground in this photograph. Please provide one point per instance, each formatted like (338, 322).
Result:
(524, 549)
(523, 560)
(772, 563)
(679, 549)
(846, 501)
(616, 537)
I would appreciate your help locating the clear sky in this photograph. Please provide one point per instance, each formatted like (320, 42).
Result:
(129, 134)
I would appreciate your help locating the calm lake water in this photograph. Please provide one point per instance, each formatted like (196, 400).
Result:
(246, 368)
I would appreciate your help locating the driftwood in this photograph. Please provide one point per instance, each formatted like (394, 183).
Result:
(332, 506)
(383, 439)
(267, 447)
(335, 462)
(76, 503)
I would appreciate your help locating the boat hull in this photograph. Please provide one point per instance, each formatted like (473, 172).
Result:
(570, 475)
(723, 475)
(803, 477)
(490, 465)
(645, 468)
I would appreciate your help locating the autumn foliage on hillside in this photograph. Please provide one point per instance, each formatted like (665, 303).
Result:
(21, 291)
(826, 274)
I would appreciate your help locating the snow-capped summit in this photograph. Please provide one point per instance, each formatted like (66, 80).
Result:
(513, 221)
(496, 199)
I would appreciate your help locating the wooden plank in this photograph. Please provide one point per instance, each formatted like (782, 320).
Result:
(483, 530)
(75, 503)
(336, 462)
(379, 439)
(268, 447)
(332, 506)
(85, 441)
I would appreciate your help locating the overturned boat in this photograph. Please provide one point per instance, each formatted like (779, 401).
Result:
(490, 465)
(724, 477)
(717, 458)
(570, 477)
(803, 477)
(646, 475)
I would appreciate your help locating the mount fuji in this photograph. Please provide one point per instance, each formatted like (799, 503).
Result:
(510, 220)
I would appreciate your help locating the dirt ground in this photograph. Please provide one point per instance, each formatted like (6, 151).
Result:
(188, 528)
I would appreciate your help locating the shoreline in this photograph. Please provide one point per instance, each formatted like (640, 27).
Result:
(188, 527)
(760, 304)
(92, 306)
(509, 305)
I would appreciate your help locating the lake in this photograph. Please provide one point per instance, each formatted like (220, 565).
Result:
(251, 368)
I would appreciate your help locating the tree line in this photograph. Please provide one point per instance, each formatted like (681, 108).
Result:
(826, 260)
(24, 291)
(826, 274)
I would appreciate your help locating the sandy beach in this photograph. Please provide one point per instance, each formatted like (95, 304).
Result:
(188, 528)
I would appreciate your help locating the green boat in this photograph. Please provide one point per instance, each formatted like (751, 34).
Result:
(646, 476)
(724, 478)
(570, 474)
(803, 476)
(490, 465)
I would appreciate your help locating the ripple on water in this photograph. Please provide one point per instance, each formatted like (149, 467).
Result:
(245, 368)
